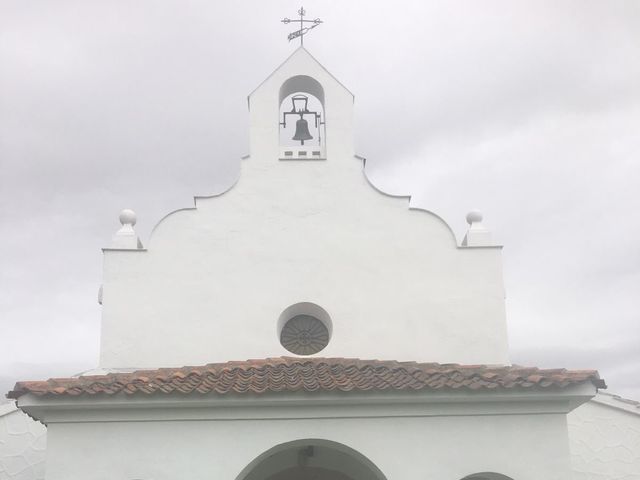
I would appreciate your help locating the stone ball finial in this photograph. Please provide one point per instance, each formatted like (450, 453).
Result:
(474, 216)
(128, 217)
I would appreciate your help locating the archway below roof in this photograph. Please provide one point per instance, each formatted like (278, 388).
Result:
(298, 473)
(311, 458)
(487, 476)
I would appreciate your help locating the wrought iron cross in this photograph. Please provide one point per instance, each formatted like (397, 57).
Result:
(303, 29)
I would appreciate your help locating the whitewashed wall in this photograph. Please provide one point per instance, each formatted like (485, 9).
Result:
(604, 442)
(605, 439)
(219, 444)
(215, 278)
(22, 445)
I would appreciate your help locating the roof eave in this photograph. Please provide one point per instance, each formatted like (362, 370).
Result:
(125, 407)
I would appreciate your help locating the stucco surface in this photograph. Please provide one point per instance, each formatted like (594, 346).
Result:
(527, 447)
(605, 441)
(216, 278)
(22, 446)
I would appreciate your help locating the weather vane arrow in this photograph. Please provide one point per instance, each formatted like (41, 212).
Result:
(304, 29)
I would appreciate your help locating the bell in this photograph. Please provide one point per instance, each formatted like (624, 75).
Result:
(302, 131)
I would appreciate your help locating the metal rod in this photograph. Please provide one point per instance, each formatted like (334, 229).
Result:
(301, 12)
(302, 31)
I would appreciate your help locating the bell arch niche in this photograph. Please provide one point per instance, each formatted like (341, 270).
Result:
(313, 458)
(302, 119)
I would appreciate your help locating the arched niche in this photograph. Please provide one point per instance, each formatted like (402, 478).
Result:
(302, 119)
(311, 458)
(302, 83)
(487, 476)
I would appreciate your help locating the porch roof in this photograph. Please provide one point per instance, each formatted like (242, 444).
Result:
(289, 374)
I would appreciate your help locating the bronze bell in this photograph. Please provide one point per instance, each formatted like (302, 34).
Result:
(302, 131)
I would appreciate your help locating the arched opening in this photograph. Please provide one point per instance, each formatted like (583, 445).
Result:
(302, 119)
(487, 476)
(311, 459)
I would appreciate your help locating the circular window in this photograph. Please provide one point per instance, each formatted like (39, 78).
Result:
(304, 329)
(304, 335)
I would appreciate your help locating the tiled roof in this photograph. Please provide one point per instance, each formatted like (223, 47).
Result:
(310, 374)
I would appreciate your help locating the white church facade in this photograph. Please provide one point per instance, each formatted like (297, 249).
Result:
(305, 325)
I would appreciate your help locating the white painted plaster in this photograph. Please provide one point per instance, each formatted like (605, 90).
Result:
(22, 445)
(604, 433)
(526, 448)
(215, 278)
(125, 238)
(478, 235)
(605, 439)
(403, 434)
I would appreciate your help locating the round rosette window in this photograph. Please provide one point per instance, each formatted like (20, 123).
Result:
(304, 328)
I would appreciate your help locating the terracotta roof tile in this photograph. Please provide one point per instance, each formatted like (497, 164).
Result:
(288, 374)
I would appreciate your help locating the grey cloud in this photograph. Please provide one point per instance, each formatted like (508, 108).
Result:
(527, 110)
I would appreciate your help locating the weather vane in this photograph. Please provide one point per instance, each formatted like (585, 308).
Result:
(303, 30)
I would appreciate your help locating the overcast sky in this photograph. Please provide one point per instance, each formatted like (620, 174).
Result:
(528, 111)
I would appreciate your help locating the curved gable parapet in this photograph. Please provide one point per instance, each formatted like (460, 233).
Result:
(303, 229)
(164, 220)
(407, 197)
(196, 199)
(217, 277)
(202, 198)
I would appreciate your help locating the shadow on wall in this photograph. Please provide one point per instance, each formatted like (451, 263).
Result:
(311, 458)
(322, 460)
